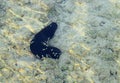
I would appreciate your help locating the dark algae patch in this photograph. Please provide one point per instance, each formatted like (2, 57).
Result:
(39, 44)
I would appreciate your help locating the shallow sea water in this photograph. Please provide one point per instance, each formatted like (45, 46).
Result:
(88, 35)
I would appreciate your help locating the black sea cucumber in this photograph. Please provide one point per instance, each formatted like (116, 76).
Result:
(39, 45)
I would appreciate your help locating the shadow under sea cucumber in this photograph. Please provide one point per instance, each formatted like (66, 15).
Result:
(39, 44)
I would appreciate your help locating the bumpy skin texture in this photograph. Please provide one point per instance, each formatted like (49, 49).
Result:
(46, 33)
(39, 44)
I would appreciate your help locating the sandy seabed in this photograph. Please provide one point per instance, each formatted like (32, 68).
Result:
(88, 35)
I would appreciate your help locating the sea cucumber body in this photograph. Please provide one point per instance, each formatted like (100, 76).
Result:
(39, 44)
